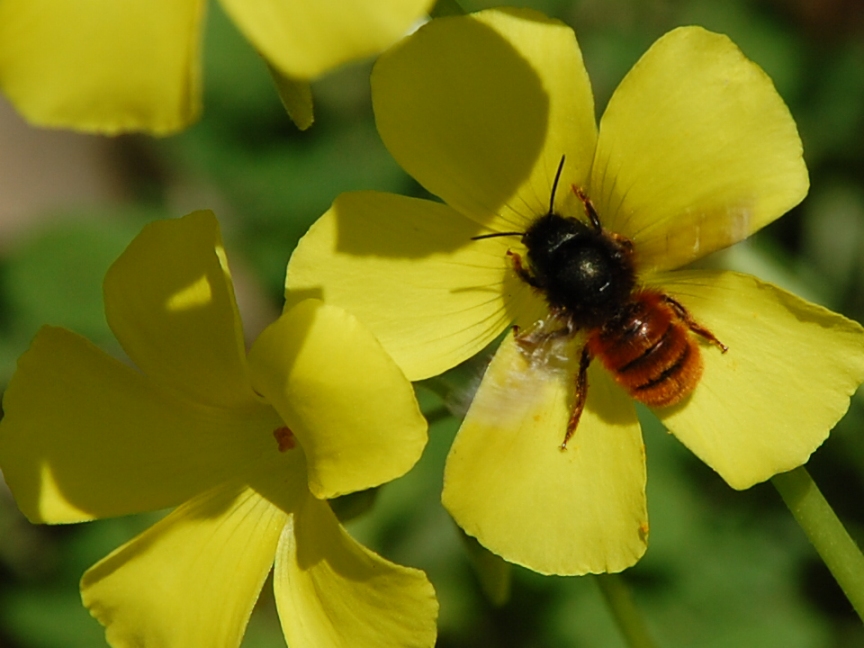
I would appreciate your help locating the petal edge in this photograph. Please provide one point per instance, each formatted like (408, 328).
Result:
(764, 406)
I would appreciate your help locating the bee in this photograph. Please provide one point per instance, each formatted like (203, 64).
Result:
(588, 278)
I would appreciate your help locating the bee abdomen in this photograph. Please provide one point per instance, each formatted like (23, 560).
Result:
(669, 379)
(651, 354)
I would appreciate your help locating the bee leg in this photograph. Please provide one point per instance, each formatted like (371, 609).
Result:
(589, 208)
(529, 341)
(580, 398)
(693, 325)
(520, 270)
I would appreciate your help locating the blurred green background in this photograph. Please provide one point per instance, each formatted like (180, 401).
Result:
(723, 568)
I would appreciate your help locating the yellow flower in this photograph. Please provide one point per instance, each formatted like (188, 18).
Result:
(245, 449)
(111, 66)
(694, 152)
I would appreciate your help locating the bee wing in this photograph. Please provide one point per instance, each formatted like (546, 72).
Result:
(508, 483)
(698, 231)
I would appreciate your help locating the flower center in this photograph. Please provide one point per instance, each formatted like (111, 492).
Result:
(284, 438)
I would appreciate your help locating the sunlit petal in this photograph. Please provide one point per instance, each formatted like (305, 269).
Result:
(102, 65)
(333, 593)
(508, 483)
(351, 408)
(170, 302)
(191, 579)
(765, 405)
(480, 109)
(409, 271)
(696, 151)
(85, 436)
(306, 39)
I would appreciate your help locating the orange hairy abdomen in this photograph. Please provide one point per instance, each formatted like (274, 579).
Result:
(649, 351)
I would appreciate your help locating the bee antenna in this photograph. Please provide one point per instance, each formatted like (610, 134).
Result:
(555, 184)
(551, 206)
(495, 234)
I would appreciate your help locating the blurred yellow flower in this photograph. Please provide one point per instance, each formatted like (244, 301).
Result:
(114, 67)
(245, 450)
(695, 151)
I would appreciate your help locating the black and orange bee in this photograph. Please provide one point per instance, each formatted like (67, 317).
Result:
(588, 277)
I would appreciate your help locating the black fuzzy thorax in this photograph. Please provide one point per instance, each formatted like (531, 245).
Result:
(584, 272)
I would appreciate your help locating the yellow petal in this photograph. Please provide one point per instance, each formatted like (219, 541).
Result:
(351, 408)
(696, 151)
(296, 98)
(191, 579)
(408, 270)
(764, 406)
(480, 109)
(307, 38)
(170, 302)
(508, 483)
(102, 65)
(84, 436)
(333, 593)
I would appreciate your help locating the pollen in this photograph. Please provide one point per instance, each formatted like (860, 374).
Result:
(284, 438)
(643, 531)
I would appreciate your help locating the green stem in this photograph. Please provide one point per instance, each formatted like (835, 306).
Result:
(825, 531)
(626, 614)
